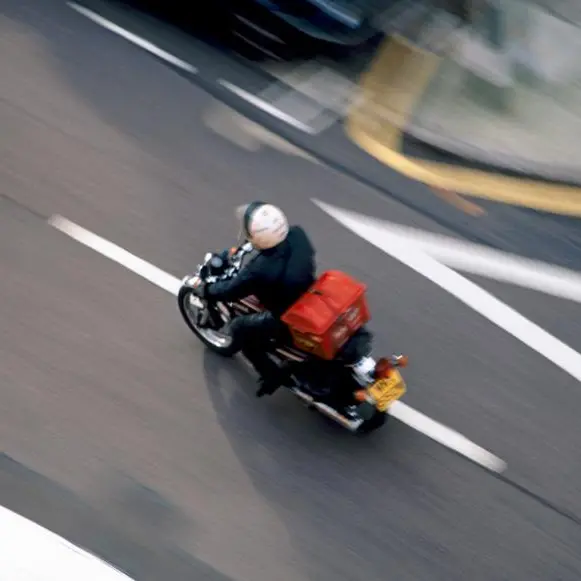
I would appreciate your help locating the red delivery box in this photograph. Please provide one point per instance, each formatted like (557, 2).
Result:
(323, 319)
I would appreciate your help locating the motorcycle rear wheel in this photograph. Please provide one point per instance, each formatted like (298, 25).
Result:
(220, 343)
(375, 422)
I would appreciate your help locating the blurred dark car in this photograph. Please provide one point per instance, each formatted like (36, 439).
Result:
(274, 28)
(301, 25)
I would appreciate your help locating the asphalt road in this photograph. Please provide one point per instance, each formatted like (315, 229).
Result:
(121, 433)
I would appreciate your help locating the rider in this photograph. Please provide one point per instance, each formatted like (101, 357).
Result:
(282, 271)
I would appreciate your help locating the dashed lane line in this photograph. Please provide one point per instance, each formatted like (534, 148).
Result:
(133, 38)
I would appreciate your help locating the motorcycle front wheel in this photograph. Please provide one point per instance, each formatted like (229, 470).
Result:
(219, 340)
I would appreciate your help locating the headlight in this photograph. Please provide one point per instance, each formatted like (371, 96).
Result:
(190, 280)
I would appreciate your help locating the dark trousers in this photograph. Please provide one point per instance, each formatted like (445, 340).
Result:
(255, 334)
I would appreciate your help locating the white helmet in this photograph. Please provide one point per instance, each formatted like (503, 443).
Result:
(264, 225)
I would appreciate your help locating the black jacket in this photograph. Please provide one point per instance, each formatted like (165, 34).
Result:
(277, 277)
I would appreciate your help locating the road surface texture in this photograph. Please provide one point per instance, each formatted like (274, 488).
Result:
(121, 433)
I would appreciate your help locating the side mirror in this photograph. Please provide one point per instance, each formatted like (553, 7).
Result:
(401, 360)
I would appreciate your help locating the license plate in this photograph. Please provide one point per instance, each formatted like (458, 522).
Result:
(386, 391)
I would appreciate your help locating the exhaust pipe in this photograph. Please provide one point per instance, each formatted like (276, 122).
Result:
(308, 399)
(331, 413)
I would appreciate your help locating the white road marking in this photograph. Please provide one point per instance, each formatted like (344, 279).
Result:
(329, 89)
(311, 96)
(144, 269)
(137, 40)
(447, 437)
(32, 553)
(267, 107)
(484, 303)
(479, 259)
(251, 136)
(311, 92)
(401, 411)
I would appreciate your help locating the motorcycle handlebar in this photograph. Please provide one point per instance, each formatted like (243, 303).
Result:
(231, 259)
(237, 254)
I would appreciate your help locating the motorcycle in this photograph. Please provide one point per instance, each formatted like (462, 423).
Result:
(354, 389)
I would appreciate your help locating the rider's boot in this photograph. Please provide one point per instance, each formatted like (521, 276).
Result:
(275, 378)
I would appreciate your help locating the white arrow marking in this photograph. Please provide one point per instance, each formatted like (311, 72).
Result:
(479, 259)
(505, 317)
(418, 421)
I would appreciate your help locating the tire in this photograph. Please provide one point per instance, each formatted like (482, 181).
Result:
(208, 337)
(374, 423)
